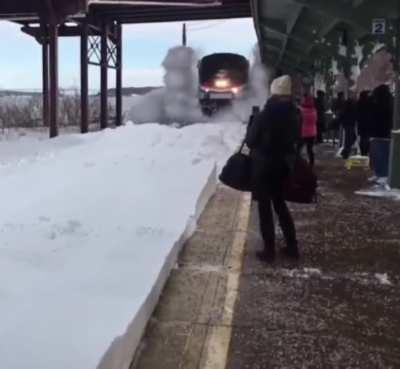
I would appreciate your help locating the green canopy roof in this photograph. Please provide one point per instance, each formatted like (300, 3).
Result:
(293, 34)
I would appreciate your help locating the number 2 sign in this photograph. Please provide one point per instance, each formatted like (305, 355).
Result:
(379, 26)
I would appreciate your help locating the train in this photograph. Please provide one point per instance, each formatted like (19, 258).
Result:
(223, 77)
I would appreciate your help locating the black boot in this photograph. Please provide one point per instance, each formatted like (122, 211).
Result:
(267, 255)
(291, 252)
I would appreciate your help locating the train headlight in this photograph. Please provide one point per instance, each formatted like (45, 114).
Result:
(221, 83)
(235, 90)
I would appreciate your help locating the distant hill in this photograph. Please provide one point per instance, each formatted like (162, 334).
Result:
(4, 93)
(128, 91)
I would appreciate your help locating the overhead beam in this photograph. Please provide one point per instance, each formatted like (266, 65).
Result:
(290, 27)
(162, 15)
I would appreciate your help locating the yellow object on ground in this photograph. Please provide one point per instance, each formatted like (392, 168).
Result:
(357, 162)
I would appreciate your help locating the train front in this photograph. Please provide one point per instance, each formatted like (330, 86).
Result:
(223, 77)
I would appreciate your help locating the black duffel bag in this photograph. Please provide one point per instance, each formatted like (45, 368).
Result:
(237, 171)
(301, 185)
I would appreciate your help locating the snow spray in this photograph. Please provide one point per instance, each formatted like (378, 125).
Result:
(177, 103)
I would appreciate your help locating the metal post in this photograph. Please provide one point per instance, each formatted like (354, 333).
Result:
(104, 77)
(184, 35)
(118, 90)
(45, 77)
(394, 165)
(396, 124)
(84, 78)
(53, 30)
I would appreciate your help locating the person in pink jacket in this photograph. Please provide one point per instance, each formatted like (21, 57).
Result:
(309, 118)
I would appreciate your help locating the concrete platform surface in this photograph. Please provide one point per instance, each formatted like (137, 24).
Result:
(338, 307)
(192, 309)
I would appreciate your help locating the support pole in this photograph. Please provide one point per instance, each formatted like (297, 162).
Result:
(53, 33)
(104, 77)
(84, 78)
(118, 90)
(45, 75)
(184, 35)
(394, 164)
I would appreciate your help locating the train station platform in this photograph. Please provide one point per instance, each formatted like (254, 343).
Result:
(335, 308)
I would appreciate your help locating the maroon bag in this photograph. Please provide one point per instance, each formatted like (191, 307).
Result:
(301, 185)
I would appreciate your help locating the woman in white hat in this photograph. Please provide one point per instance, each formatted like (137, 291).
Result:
(272, 140)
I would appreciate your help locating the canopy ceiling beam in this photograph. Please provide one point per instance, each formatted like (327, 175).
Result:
(290, 27)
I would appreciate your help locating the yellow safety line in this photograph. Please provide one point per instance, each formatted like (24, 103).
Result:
(217, 345)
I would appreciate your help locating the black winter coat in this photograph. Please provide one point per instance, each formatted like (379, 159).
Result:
(320, 106)
(364, 117)
(271, 138)
(348, 115)
(382, 114)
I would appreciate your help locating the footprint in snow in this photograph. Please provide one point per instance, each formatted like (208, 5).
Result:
(196, 161)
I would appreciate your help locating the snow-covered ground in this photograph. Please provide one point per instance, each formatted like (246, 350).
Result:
(89, 229)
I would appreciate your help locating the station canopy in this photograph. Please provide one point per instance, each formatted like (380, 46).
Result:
(124, 11)
(294, 33)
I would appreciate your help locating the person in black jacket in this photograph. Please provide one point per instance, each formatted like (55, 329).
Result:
(348, 120)
(337, 108)
(382, 101)
(255, 110)
(321, 110)
(364, 121)
(271, 138)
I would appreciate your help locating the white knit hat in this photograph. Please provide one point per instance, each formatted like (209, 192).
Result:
(282, 86)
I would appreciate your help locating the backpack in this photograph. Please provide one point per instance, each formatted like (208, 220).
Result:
(301, 185)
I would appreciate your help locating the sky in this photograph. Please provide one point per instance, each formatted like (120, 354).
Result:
(145, 47)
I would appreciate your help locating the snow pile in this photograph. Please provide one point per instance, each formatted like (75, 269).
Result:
(181, 86)
(383, 279)
(90, 228)
(178, 100)
(259, 79)
(304, 273)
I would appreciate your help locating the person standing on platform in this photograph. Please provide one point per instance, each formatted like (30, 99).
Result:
(337, 108)
(348, 120)
(255, 110)
(272, 140)
(364, 121)
(382, 105)
(321, 110)
(309, 120)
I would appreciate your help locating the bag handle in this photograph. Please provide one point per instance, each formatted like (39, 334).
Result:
(242, 145)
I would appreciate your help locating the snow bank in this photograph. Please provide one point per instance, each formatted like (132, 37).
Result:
(90, 227)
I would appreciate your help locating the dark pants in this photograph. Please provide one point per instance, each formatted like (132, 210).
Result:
(309, 142)
(265, 203)
(364, 145)
(349, 139)
(320, 134)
